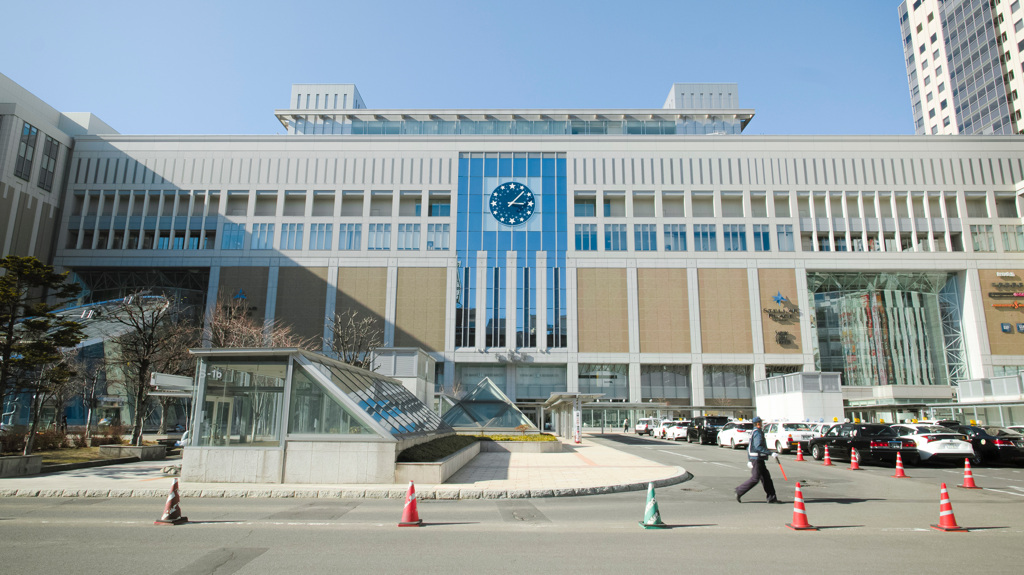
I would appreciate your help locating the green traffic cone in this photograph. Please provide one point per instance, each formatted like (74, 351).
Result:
(652, 517)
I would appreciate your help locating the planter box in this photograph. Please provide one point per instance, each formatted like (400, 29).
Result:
(436, 471)
(522, 446)
(16, 465)
(145, 452)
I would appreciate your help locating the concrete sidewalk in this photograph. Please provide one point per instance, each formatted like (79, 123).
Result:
(584, 469)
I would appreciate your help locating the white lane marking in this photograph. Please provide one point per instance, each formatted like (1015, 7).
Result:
(690, 457)
(1015, 487)
(723, 464)
(1006, 492)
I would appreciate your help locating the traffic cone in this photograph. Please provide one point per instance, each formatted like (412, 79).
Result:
(652, 517)
(899, 466)
(854, 460)
(172, 513)
(799, 513)
(799, 453)
(947, 521)
(968, 476)
(828, 460)
(410, 517)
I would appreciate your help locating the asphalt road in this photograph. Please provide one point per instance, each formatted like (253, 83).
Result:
(869, 523)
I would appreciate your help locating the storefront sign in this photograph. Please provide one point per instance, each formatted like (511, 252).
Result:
(1005, 294)
(1005, 275)
(1007, 328)
(782, 314)
(1014, 305)
(1009, 286)
(783, 338)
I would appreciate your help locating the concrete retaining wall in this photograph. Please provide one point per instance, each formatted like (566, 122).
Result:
(144, 452)
(435, 472)
(16, 465)
(521, 446)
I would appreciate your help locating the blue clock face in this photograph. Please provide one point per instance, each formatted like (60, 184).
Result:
(512, 204)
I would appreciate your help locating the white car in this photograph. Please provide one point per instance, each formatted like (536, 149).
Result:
(820, 429)
(783, 436)
(935, 443)
(662, 430)
(1018, 428)
(646, 425)
(735, 434)
(677, 430)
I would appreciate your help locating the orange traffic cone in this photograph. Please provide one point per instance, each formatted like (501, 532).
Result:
(172, 514)
(854, 460)
(828, 460)
(899, 466)
(968, 476)
(799, 513)
(410, 517)
(947, 521)
(799, 453)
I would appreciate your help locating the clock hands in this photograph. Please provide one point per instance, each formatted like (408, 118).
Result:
(515, 202)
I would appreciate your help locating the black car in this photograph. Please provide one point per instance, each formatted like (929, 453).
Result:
(994, 444)
(873, 442)
(705, 429)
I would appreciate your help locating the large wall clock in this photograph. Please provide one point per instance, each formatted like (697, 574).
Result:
(512, 204)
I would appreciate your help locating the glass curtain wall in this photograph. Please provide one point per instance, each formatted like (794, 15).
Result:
(539, 246)
(244, 402)
(610, 379)
(884, 329)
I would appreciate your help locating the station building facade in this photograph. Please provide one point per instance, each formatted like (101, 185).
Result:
(658, 256)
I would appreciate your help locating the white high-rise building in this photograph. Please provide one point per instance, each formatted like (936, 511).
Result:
(964, 65)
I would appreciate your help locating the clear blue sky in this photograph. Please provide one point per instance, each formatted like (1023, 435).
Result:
(218, 67)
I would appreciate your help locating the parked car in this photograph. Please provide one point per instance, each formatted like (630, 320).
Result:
(735, 434)
(678, 430)
(785, 435)
(873, 442)
(705, 429)
(1017, 428)
(661, 429)
(646, 425)
(936, 443)
(994, 444)
(819, 429)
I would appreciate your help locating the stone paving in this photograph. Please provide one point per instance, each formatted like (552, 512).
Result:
(583, 469)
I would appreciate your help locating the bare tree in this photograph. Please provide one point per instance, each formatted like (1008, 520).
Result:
(232, 325)
(88, 373)
(50, 384)
(356, 338)
(155, 338)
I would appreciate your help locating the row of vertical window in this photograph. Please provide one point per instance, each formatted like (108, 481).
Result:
(321, 237)
(674, 237)
(26, 157)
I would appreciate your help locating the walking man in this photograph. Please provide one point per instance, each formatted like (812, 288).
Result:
(625, 425)
(758, 454)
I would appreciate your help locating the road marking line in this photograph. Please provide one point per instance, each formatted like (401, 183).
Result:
(1006, 492)
(723, 464)
(1015, 487)
(690, 457)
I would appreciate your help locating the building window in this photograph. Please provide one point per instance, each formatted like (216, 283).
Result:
(840, 243)
(348, 236)
(1015, 6)
(26, 151)
(645, 237)
(1013, 238)
(675, 237)
(614, 237)
(234, 235)
(408, 236)
(291, 236)
(942, 87)
(704, 238)
(378, 237)
(823, 244)
(440, 208)
(784, 233)
(734, 237)
(762, 238)
(321, 236)
(586, 237)
(49, 164)
(262, 237)
(585, 207)
(437, 236)
(982, 238)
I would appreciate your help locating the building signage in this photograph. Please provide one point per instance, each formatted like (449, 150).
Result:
(1005, 294)
(1007, 328)
(1020, 328)
(1014, 305)
(783, 313)
(1008, 285)
(1005, 275)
